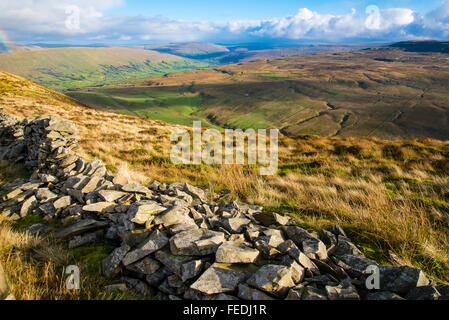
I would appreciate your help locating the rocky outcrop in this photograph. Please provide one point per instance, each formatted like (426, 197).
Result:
(174, 241)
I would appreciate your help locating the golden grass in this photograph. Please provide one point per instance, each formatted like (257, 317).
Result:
(35, 266)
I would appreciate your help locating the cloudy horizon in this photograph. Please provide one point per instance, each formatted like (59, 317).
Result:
(108, 21)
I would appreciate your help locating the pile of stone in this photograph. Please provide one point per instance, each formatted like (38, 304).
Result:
(48, 141)
(175, 242)
(12, 145)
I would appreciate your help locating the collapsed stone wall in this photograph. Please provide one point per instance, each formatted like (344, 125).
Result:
(175, 242)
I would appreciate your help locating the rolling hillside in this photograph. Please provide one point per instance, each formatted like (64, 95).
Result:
(198, 50)
(385, 92)
(12, 47)
(423, 46)
(63, 68)
(217, 55)
(392, 198)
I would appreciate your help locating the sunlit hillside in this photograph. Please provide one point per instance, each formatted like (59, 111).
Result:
(391, 197)
(385, 92)
(62, 68)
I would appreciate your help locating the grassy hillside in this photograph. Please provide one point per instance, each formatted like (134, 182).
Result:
(217, 55)
(62, 68)
(423, 46)
(391, 197)
(189, 49)
(12, 47)
(386, 93)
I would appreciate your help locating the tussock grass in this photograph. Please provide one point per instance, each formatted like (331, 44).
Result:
(36, 265)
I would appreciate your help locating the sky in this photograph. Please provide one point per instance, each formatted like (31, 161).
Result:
(231, 21)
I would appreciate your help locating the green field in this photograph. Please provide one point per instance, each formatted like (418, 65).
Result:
(65, 68)
(166, 104)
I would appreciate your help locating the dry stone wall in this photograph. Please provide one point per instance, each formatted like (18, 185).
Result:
(175, 242)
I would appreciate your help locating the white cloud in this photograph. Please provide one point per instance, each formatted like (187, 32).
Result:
(45, 20)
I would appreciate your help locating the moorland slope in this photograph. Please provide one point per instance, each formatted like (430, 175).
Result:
(392, 198)
(71, 67)
(383, 92)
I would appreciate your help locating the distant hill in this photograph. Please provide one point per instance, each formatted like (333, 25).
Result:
(62, 68)
(422, 46)
(387, 93)
(12, 47)
(189, 49)
(215, 54)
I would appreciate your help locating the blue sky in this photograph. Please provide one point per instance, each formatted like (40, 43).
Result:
(257, 9)
(231, 21)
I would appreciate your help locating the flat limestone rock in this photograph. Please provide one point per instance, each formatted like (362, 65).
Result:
(273, 279)
(273, 237)
(191, 269)
(136, 188)
(178, 228)
(248, 293)
(44, 194)
(355, 266)
(298, 271)
(91, 185)
(222, 278)
(86, 239)
(172, 262)
(100, 207)
(37, 228)
(174, 215)
(28, 206)
(344, 291)
(312, 293)
(156, 241)
(111, 195)
(136, 237)
(145, 266)
(297, 234)
(61, 125)
(12, 194)
(236, 252)
(292, 250)
(314, 249)
(80, 227)
(195, 192)
(138, 286)
(199, 242)
(344, 246)
(111, 265)
(141, 212)
(67, 161)
(270, 218)
(62, 202)
(235, 225)
(401, 280)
